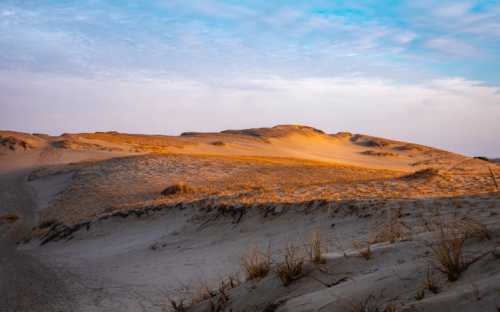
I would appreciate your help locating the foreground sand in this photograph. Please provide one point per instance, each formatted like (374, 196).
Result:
(105, 239)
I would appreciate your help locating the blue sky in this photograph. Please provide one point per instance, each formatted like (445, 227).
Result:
(342, 60)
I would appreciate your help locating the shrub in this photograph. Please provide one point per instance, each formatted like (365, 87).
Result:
(256, 264)
(292, 266)
(178, 188)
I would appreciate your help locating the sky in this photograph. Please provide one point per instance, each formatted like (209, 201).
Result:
(421, 71)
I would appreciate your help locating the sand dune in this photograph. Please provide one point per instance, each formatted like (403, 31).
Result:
(93, 221)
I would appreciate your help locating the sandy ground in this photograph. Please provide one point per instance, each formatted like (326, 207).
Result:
(272, 187)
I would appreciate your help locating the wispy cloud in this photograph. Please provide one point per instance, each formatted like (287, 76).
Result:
(200, 38)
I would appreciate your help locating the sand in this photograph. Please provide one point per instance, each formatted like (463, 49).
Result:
(260, 187)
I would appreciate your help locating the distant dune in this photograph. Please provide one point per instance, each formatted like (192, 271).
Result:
(286, 141)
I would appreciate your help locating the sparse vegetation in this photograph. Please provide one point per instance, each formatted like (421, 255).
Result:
(291, 268)
(216, 297)
(256, 264)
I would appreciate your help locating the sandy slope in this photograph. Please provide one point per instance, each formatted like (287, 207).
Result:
(135, 248)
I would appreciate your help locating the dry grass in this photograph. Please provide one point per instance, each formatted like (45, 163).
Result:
(316, 248)
(448, 252)
(216, 297)
(256, 264)
(291, 268)
(8, 217)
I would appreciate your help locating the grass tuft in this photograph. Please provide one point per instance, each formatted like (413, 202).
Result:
(448, 252)
(256, 264)
(316, 248)
(291, 268)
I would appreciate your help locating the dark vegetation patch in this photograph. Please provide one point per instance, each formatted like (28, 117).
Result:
(378, 154)
(218, 143)
(422, 174)
(178, 188)
(14, 143)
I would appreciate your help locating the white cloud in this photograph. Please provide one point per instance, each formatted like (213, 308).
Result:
(456, 114)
